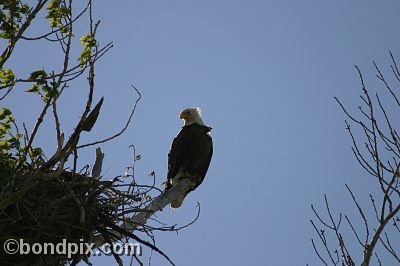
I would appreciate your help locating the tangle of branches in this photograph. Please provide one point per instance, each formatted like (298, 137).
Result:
(45, 199)
(378, 153)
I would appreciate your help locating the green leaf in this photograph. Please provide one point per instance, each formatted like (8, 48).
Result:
(24, 9)
(6, 76)
(4, 112)
(34, 88)
(48, 91)
(53, 4)
(85, 56)
(38, 75)
(15, 143)
(4, 145)
(88, 40)
(36, 152)
(9, 119)
(3, 129)
(56, 11)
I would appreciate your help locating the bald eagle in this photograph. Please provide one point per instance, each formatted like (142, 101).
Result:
(190, 153)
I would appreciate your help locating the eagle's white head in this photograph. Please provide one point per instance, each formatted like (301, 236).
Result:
(191, 116)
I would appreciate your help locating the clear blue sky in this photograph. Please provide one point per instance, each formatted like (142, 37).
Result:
(265, 74)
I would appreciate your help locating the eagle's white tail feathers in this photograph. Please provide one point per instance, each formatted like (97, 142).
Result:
(177, 202)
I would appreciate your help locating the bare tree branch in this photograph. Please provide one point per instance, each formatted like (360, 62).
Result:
(379, 156)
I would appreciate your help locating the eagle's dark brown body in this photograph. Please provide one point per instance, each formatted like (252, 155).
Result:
(189, 157)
